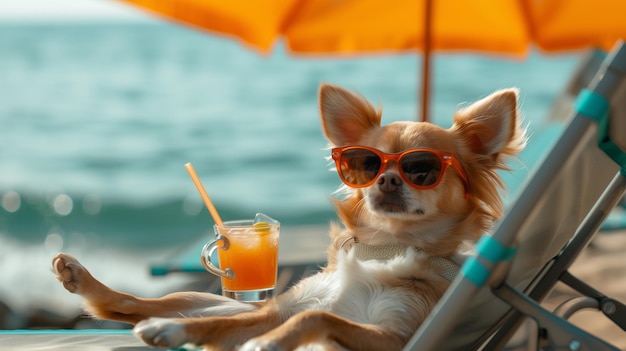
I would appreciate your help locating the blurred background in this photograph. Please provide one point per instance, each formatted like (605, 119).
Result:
(101, 105)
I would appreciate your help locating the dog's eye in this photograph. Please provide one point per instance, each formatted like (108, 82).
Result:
(418, 167)
(422, 168)
(362, 160)
(420, 164)
(371, 164)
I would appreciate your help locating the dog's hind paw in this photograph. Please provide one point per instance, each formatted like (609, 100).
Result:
(162, 332)
(260, 345)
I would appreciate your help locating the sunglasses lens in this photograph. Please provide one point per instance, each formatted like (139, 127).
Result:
(359, 166)
(422, 168)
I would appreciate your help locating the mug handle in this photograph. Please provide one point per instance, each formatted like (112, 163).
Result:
(205, 257)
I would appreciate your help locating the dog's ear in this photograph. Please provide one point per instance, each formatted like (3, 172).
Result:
(345, 116)
(491, 126)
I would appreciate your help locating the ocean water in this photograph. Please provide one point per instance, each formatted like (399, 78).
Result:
(98, 120)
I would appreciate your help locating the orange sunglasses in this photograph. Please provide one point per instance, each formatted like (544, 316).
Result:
(421, 168)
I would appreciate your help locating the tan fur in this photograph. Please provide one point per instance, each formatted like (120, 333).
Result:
(405, 288)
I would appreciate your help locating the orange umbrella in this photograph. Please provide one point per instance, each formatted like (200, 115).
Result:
(348, 27)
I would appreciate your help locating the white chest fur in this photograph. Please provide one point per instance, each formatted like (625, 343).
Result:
(375, 292)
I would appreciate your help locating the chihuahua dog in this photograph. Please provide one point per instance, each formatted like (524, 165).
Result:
(414, 193)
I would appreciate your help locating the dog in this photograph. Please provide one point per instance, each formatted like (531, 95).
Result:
(413, 194)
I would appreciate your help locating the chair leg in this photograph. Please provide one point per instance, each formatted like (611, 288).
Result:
(567, 308)
(613, 309)
(555, 332)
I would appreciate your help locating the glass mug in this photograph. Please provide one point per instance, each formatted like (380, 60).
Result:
(247, 251)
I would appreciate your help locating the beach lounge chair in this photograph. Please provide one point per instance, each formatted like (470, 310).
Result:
(547, 131)
(558, 212)
(563, 108)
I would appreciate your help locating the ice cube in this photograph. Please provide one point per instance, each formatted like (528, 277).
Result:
(260, 217)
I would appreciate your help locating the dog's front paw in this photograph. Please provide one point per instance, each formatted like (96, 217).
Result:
(259, 344)
(71, 273)
(161, 332)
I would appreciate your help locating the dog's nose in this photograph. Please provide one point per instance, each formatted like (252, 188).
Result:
(389, 182)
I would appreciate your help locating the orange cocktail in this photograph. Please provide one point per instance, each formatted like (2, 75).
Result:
(252, 256)
(247, 252)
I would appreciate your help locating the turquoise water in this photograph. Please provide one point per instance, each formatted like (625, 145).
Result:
(98, 120)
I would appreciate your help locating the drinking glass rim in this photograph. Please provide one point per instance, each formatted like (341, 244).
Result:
(243, 223)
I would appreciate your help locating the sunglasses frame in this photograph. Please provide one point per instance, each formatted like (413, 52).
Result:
(446, 158)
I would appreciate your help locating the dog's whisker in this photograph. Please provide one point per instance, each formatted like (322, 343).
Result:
(362, 209)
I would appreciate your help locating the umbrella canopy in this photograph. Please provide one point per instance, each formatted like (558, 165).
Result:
(349, 27)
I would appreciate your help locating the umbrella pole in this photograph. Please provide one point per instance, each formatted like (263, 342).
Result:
(426, 59)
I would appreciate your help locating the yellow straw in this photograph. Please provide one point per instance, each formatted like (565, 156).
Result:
(204, 195)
